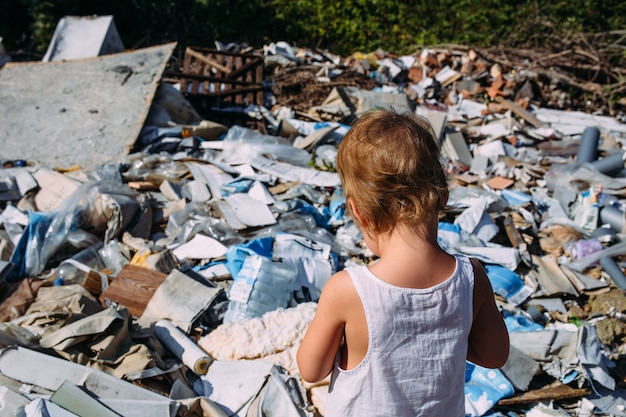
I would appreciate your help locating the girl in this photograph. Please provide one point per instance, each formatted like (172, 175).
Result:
(395, 334)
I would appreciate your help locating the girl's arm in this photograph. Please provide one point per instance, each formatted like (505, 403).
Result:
(489, 337)
(321, 342)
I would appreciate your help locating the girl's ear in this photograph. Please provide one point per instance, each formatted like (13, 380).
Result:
(355, 212)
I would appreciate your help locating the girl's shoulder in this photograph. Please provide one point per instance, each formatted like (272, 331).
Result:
(339, 286)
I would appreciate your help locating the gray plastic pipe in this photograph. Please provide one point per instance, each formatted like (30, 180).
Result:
(609, 165)
(588, 147)
(612, 216)
(614, 271)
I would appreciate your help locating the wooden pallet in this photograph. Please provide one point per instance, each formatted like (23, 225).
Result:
(219, 78)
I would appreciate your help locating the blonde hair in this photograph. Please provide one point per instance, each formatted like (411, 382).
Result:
(389, 166)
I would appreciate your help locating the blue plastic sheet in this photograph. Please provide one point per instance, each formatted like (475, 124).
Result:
(484, 388)
(520, 323)
(505, 282)
(237, 254)
(448, 236)
(322, 218)
(337, 207)
(516, 198)
(29, 246)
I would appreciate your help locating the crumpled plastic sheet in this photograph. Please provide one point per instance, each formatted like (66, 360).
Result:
(235, 385)
(592, 358)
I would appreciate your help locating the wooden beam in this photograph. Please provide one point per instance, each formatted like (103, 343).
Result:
(559, 392)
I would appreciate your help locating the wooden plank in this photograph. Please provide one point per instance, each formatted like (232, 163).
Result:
(259, 78)
(218, 74)
(230, 63)
(133, 287)
(207, 60)
(515, 237)
(515, 108)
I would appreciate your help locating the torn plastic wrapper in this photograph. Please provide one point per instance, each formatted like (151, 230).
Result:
(348, 237)
(155, 168)
(307, 128)
(520, 323)
(193, 218)
(586, 211)
(476, 220)
(590, 353)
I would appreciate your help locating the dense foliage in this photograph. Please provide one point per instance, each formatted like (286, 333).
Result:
(339, 26)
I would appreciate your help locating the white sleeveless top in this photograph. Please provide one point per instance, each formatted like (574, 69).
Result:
(418, 340)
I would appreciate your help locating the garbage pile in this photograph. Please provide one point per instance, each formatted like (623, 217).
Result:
(178, 276)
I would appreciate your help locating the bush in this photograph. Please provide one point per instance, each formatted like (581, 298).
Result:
(341, 27)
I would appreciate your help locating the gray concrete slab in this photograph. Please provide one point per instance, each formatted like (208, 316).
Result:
(84, 112)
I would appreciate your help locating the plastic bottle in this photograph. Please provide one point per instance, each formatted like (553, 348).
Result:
(90, 256)
(261, 286)
(83, 269)
(71, 272)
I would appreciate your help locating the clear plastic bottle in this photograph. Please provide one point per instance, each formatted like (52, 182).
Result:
(261, 286)
(83, 269)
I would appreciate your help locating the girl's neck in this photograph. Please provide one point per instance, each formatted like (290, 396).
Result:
(410, 258)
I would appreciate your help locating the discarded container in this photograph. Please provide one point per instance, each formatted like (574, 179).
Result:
(260, 286)
(588, 148)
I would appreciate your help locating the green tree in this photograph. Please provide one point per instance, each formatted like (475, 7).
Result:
(339, 26)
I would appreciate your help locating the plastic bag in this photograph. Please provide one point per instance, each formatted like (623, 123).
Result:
(105, 209)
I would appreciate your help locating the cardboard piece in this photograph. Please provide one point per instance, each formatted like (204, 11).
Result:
(74, 399)
(455, 147)
(55, 188)
(133, 287)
